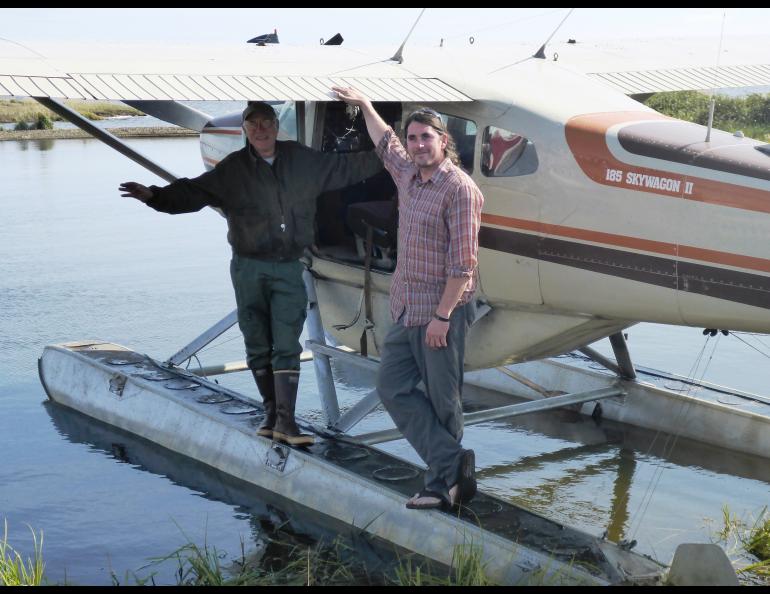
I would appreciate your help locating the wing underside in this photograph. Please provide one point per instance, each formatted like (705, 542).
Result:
(636, 82)
(177, 87)
(269, 74)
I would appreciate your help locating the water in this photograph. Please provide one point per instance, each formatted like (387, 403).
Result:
(79, 262)
(213, 108)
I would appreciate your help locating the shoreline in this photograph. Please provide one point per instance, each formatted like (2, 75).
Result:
(74, 133)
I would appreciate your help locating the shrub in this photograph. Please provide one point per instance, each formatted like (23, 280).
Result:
(43, 122)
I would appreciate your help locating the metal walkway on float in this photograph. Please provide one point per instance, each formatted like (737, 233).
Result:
(338, 477)
(342, 477)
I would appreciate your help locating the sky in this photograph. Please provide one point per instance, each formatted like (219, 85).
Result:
(372, 26)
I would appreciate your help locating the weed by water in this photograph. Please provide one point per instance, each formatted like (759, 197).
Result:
(467, 568)
(747, 544)
(14, 571)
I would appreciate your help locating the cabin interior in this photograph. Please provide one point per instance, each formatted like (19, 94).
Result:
(345, 217)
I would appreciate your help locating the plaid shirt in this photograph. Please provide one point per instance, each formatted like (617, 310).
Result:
(437, 235)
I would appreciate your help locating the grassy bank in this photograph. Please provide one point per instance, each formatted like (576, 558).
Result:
(57, 134)
(28, 110)
(282, 559)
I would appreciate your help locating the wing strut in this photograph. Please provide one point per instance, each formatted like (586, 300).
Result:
(173, 112)
(105, 137)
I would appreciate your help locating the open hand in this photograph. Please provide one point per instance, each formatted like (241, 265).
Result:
(135, 190)
(351, 96)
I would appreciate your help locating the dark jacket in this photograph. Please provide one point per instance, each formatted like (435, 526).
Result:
(270, 210)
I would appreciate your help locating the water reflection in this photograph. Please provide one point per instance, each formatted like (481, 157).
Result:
(601, 476)
(272, 519)
(40, 144)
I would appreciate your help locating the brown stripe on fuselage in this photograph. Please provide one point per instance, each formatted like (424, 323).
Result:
(635, 243)
(587, 139)
(712, 281)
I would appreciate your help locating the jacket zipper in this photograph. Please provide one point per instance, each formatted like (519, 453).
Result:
(278, 194)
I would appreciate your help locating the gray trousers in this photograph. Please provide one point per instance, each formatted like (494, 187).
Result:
(431, 421)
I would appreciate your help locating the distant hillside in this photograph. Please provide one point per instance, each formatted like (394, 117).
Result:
(29, 110)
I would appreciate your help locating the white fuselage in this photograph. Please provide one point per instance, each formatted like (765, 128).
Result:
(621, 215)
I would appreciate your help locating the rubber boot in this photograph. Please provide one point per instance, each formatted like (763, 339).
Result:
(286, 429)
(266, 385)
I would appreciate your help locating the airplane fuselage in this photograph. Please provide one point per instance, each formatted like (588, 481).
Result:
(599, 212)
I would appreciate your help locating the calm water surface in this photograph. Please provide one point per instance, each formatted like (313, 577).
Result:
(79, 262)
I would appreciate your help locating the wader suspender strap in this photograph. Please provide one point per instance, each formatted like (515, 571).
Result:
(368, 325)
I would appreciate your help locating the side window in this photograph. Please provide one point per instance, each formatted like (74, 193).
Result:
(464, 134)
(506, 154)
(287, 120)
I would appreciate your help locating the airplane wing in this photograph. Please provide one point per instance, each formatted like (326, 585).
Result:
(660, 65)
(184, 73)
(275, 73)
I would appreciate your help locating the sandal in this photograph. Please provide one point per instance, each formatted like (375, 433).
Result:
(431, 500)
(465, 488)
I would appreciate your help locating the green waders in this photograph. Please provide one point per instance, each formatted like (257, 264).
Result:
(272, 306)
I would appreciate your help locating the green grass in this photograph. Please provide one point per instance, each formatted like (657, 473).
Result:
(14, 571)
(290, 560)
(747, 544)
(467, 568)
(285, 560)
(28, 110)
(749, 114)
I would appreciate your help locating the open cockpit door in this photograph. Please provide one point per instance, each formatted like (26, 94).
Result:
(346, 217)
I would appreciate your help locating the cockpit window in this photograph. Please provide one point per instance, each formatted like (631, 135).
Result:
(506, 154)
(464, 134)
(287, 120)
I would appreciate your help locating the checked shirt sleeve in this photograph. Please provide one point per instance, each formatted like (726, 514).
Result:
(395, 158)
(463, 222)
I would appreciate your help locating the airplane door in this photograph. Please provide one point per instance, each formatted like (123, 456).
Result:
(508, 240)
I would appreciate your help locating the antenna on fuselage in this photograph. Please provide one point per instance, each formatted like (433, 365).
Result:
(336, 40)
(713, 102)
(541, 52)
(399, 55)
(265, 39)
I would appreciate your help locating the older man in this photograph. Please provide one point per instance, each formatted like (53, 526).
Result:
(430, 298)
(267, 191)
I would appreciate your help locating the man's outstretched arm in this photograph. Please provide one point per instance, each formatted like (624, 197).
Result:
(135, 190)
(375, 125)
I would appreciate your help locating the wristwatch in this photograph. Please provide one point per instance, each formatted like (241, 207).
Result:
(440, 318)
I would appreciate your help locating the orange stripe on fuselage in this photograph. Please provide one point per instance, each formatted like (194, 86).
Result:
(587, 139)
(645, 245)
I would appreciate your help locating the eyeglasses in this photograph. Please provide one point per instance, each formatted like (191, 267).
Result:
(259, 124)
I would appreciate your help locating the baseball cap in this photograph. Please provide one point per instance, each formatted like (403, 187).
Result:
(259, 107)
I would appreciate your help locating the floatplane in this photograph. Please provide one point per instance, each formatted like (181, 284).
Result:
(599, 213)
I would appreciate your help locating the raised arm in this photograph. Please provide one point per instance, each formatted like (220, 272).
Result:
(375, 125)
